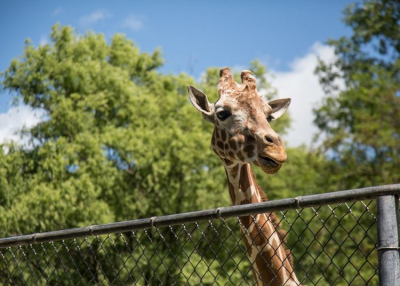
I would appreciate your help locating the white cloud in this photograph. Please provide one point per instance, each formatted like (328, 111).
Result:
(134, 23)
(302, 86)
(15, 119)
(94, 17)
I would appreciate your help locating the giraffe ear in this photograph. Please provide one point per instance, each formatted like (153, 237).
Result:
(279, 106)
(200, 102)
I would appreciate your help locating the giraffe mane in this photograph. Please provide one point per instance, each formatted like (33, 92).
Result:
(274, 219)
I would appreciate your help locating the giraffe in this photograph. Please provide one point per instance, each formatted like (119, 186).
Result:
(243, 136)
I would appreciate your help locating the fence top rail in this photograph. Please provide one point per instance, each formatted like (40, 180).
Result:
(222, 212)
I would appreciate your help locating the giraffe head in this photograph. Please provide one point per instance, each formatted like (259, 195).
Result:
(241, 118)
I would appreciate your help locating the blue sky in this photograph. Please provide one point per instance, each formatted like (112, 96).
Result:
(192, 35)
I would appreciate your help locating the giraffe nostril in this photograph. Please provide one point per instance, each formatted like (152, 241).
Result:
(269, 139)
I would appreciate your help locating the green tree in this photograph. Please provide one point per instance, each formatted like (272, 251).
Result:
(103, 152)
(360, 124)
(359, 129)
(118, 141)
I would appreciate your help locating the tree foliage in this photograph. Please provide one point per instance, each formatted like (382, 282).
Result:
(118, 141)
(360, 124)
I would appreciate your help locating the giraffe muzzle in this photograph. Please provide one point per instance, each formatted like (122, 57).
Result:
(269, 162)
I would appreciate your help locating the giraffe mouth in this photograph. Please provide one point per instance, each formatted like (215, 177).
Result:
(268, 165)
(269, 162)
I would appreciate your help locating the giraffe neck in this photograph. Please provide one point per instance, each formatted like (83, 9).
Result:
(243, 189)
(264, 245)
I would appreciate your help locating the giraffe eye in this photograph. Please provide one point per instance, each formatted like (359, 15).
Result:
(270, 118)
(222, 115)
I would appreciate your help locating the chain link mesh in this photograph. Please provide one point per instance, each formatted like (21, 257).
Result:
(330, 245)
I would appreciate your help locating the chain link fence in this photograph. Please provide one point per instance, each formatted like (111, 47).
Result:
(333, 239)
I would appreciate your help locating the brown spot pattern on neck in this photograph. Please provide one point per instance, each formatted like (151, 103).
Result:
(263, 241)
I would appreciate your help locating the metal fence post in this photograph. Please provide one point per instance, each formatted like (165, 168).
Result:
(388, 240)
